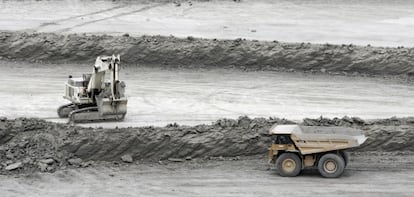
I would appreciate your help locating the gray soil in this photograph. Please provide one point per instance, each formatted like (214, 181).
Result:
(157, 97)
(368, 174)
(29, 146)
(228, 156)
(375, 22)
(172, 52)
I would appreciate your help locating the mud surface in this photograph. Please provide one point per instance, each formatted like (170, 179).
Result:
(158, 97)
(227, 157)
(375, 22)
(368, 174)
(27, 144)
(172, 52)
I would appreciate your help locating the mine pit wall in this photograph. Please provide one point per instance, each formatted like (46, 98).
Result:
(192, 52)
(30, 140)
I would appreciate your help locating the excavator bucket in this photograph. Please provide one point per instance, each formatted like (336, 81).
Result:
(112, 107)
(106, 110)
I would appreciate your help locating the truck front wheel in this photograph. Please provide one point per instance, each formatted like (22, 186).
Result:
(289, 164)
(331, 165)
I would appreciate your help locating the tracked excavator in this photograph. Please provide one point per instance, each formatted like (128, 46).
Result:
(99, 96)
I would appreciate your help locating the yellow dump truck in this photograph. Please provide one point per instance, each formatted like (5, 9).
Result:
(295, 148)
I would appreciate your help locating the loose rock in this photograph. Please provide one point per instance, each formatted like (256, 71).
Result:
(175, 159)
(42, 166)
(14, 166)
(75, 161)
(127, 158)
(47, 161)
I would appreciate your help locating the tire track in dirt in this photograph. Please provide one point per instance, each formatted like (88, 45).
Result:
(109, 17)
(210, 99)
(55, 22)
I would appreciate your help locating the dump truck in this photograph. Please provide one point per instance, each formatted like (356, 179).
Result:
(295, 148)
(96, 96)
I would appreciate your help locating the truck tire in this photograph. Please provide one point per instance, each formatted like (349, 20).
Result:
(288, 164)
(345, 155)
(331, 165)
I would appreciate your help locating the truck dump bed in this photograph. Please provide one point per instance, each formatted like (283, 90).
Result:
(316, 139)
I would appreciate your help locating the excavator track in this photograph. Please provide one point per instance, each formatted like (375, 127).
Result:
(91, 114)
(64, 110)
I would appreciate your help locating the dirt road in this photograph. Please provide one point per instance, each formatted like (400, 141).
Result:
(159, 97)
(375, 22)
(194, 96)
(366, 176)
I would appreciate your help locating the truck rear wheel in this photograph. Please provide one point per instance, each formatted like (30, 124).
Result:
(289, 164)
(331, 165)
(345, 155)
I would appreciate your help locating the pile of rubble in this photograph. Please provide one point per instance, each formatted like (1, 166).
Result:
(171, 52)
(28, 145)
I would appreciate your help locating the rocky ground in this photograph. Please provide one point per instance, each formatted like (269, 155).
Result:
(227, 157)
(190, 52)
(29, 145)
(368, 174)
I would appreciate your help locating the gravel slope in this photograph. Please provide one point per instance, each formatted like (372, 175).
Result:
(172, 52)
(28, 143)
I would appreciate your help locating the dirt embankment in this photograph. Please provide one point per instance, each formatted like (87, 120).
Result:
(196, 52)
(32, 144)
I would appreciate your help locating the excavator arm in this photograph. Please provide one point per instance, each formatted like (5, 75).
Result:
(104, 65)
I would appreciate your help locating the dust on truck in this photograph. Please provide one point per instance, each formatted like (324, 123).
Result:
(295, 148)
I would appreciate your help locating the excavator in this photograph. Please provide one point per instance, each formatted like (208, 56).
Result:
(99, 96)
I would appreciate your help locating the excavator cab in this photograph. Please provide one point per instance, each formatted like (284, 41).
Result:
(75, 90)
